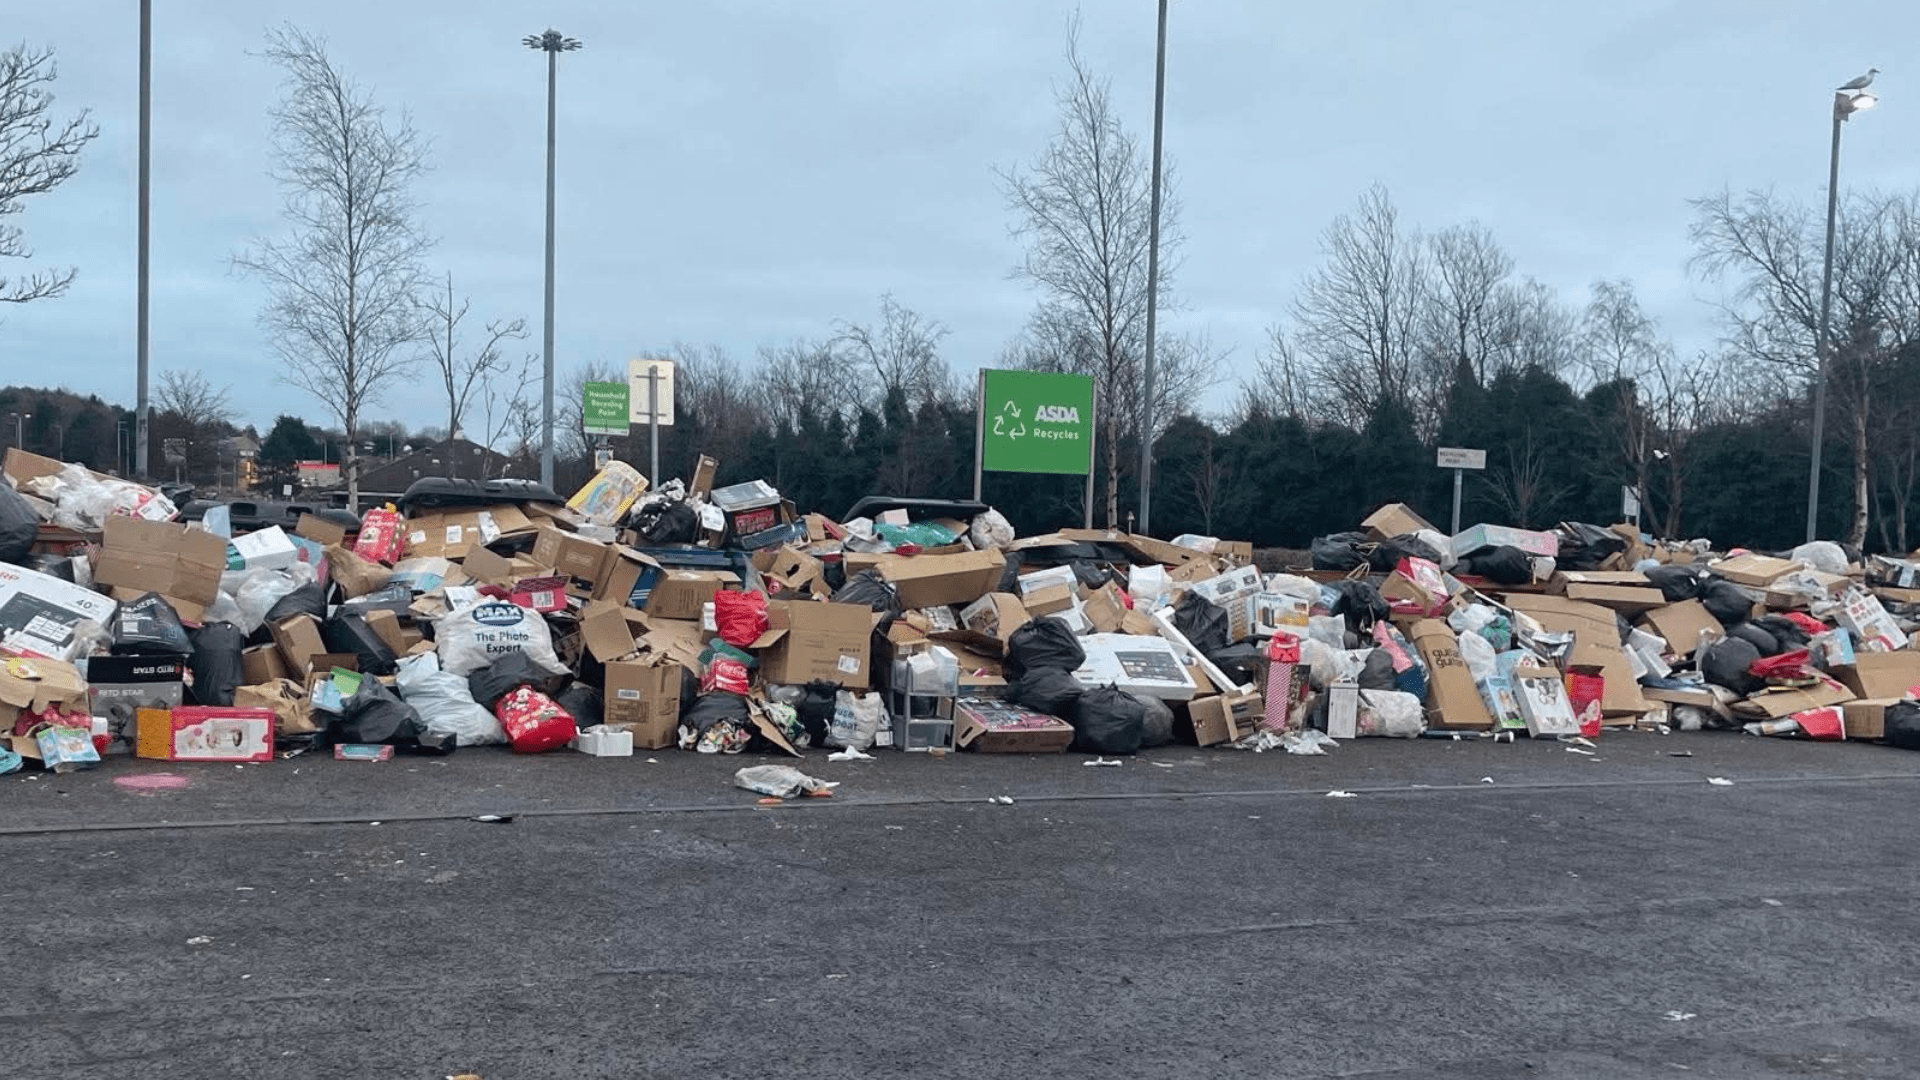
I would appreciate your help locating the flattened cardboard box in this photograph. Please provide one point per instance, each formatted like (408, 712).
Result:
(1596, 645)
(1684, 626)
(450, 534)
(179, 563)
(1758, 571)
(1394, 519)
(1776, 703)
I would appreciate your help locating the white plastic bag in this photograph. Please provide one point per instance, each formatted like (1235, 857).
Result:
(857, 720)
(1823, 555)
(991, 529)
(1293, 585)
(255, 592)
(445, 704)
(780, 781)
(1478, 652)
(1329, 630)
(1149, 587)
(1391, 713)
(472, 638)
(1440, 544)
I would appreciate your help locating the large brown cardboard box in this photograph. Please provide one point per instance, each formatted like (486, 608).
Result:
(1394, 519)
(570, 554)
(625, 567)
(792, 572)
(611, 632)
(1453, 701)
(809, 640)
(1684, 626)
(1225, 718)
(387, 625)
(320, 531)
(262, 664)
(930, 580)
(355, 575)
(1596, 646)
(181, 564)
(997, 616)
(1777, 702)
(298, 639)
(643, 696)
(1881, 674)
(680, 594)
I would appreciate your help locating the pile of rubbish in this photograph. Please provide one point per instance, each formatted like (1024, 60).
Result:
(723, 620)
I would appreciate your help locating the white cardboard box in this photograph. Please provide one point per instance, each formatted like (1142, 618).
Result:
(603, 741)
(38, 612)
(1147, 666)
(268, 549)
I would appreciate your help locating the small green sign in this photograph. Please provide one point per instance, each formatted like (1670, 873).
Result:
(1036, 422)
(603, 408)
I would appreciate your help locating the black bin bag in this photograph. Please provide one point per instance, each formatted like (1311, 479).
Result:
(149, 627)
(1108, 720)
(1046, 690)
(216, 664)
(1045, 642)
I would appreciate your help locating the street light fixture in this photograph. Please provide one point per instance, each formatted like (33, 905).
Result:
(553, 43)
(20, 429)
(1852, 97)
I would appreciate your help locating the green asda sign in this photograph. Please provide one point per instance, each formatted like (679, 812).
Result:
(1036, 422)
(603, 408)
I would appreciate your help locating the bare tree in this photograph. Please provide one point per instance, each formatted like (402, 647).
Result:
(1083, 207)
(903, 352)
(569, 409)
(510, 403)
(1358, 316)
(1771, 254)
(36, 156)
(344, 282)
(1623, 353)
(1523, 485)
(192, 397)
(720, 395)
(461, 374)
(804, 379)
(1461, 319)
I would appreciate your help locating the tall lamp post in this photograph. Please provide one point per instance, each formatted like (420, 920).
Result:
(1153, 278)
(553, 43)
(1852, 97)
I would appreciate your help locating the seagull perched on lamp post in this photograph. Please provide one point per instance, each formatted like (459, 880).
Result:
(1862, 82)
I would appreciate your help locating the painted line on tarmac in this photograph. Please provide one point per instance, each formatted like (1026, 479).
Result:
(882, 802)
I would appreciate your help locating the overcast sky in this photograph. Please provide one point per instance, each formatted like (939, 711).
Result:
(744, 172)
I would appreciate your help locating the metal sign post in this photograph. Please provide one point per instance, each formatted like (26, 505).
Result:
(1460, 460)
(658, 375)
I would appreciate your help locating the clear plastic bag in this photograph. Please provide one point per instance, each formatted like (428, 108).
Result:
(991, 529)
(1481, 660)
(255, 592)
(1391, 713)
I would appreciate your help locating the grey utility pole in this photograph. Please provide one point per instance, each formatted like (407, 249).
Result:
(553, 43)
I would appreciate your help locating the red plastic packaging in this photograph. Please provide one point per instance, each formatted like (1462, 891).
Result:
(534, 722)
(1584, 693)
(1792, 666)
(740, 616)
(381, 537)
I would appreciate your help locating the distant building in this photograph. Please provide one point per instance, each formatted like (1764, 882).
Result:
(316, 475)
(456, 458)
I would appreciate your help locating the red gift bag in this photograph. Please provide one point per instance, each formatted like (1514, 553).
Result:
(381, 538)
(740, 616)
(534, 722)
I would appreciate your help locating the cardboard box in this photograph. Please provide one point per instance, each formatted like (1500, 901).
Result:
(1596, 645)
(1481, 537)
(628, 578)
(996, 616)
(930, 580)
(37, 685)
(1776, 702)
(184, 565)
(1420, 591)
(1104, 607)
(997, 727)
(681, 594)
(1543, 702)
(38, 612)
(1866, 718)
(1758, 571)
(1684, 626)
(570, 554)
(1394, 519)
(1226, 718)
(119, 686)
(298, 639)
(451, 534)
(643, 697)
(262, 664)
(1881, 674)
(204, 733)
(791, 572)
(1147, 666)
(808, 640)
(1496, 692)
(386, 625)
(267, 549)
(610, 632)
(320, 531)
(1863, 616)
(1453, 701)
